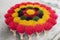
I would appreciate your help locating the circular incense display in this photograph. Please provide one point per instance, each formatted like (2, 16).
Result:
(30, 18)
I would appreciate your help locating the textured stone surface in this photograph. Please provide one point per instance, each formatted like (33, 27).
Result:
(5, 34)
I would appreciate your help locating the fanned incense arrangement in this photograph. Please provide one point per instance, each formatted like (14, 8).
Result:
(29, 18)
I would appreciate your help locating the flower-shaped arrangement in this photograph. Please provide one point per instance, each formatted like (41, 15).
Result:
(30, 18)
